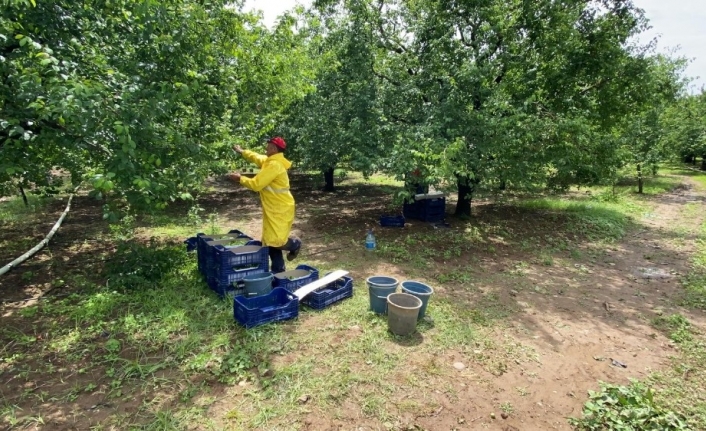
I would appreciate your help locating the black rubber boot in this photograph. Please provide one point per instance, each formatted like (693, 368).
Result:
(293, 245)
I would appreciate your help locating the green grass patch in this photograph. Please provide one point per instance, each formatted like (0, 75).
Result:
(695, 281)
(680, 388)
(594, 218)
(14, 210)
(626, 408)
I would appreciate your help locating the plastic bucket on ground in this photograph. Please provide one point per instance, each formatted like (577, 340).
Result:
(421, 291)
(402, 313)
(259, 283)
(379, 287)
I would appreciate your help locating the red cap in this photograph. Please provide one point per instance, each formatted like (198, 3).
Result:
(278, 142)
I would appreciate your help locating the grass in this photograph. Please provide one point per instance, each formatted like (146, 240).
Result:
(13, 209)
(157, 316)
(148, 334)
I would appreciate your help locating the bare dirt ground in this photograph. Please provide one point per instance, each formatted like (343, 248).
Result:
(575, 318)
(570, 319)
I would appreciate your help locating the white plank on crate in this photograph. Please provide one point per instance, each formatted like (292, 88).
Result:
(308, 288)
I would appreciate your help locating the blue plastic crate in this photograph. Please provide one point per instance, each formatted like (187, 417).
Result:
(231, 265)
(329, 294)
(431, 210)
(211, 262)
(294, 284)
(209, 252)
(392, 221)
(280, 304)
(240, 258)
(204, 252)
(229, 282)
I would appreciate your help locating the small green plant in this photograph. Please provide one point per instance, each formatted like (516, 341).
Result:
(626, 408)
(124, 229)
(193, 216)
(213, 223)
(676, 325)
(507, 408)
(546, 259)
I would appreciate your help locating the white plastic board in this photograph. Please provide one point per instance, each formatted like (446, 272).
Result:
(308, 288)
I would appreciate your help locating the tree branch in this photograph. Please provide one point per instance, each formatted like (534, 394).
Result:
(400, 48)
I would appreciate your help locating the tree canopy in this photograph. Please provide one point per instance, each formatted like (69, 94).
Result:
(144, 98)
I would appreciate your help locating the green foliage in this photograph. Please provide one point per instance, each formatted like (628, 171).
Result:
(480, 96)
(140, 266)
(642, 132)
(133, 96)
(677, 326)
(695, 281)
(14, 209)
(597, 219)
(626, 408)
(684, 125)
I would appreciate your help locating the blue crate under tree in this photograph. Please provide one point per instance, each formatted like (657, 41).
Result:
(430, 210)
(392, 221)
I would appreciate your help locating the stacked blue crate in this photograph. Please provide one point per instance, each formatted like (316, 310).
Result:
(430, 210)
(231, 265)
(204, 251)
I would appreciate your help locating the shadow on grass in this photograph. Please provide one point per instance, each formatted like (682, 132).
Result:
(156, 321)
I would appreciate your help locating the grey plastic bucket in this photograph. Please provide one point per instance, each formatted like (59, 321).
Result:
(402, 313)
(421, 291)
(379, 287)
(259, 283)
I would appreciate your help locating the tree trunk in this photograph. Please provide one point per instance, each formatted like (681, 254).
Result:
(465, 195)
(703, 162)
(639, 178)
(328, 179)
(24, 196)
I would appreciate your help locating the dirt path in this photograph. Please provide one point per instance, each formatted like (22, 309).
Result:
(578, 317)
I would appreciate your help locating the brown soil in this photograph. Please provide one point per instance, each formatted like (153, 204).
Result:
(573, 317)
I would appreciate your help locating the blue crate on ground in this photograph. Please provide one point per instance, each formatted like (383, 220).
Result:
(233, 264)
(297, 282)
(330, 294)
(410, 210)
(392, 221)
(430, 210)
(280, 304)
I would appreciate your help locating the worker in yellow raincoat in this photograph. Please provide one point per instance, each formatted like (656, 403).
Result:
(272, 182)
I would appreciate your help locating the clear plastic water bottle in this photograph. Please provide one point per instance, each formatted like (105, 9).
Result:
(370, 243)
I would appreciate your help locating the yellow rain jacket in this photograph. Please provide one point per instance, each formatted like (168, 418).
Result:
(272, 182)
